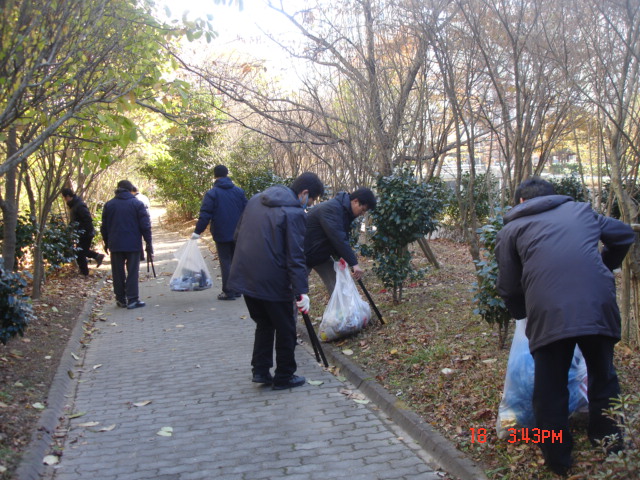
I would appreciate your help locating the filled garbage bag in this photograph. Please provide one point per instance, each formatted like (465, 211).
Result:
(516, 406)
(346, 312)
(192, 272)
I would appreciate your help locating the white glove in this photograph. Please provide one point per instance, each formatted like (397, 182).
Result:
(303, 303)
(195, 236)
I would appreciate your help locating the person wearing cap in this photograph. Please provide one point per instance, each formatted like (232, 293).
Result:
(125, 223)
(269, 270)
(80, 214)
(221, 209)
(328, 232)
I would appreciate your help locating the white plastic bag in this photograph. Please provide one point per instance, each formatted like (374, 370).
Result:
(192, 272)
(346, 312)
(516, 408)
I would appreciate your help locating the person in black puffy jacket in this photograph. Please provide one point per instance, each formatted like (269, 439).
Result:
(269, 269)
(552, 272)
(80, 214)
(221, 208)
(125, 222)
(328, 231)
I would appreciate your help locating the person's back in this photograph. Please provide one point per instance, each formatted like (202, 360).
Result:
(125, 222)
(221, 208)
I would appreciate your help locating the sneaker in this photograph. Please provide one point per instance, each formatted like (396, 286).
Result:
(224, 296)
(238, 295)
(121, 304)
(294, 381)
(136, 304)
(99, 260)
(262, 378)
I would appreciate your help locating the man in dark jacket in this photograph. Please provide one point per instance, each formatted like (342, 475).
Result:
(125, 222)
(550, 271)
(221, 208)
(80, 214)
(269, 270)
(328, 232)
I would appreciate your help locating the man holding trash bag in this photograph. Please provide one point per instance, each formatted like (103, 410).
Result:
(221, 208)
(328, 231)
(551, 271)
(269, 269)
(125, 222)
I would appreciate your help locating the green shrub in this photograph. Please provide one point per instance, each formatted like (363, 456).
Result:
(15, 306)
(26, 231)
(58, 242)
(485, 196)
(572, 186)
(406, 211)
(625, 464)
(489, 304)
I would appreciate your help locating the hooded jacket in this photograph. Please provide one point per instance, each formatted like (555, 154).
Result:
(268, 262)
(328, 230)
(79, 212)
(221, 208)
(125, 222)
(551, 271)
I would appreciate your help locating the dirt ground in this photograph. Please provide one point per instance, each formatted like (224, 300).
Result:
(432, 329)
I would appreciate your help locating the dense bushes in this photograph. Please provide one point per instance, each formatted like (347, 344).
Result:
(15, 306)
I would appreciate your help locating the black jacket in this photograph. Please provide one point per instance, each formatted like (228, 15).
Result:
(268, 262)
(551, 271)
(221, 207)
(79, 213)
(328, 231)
(125, 222)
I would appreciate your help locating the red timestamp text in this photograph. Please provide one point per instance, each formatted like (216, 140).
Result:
(522, 435)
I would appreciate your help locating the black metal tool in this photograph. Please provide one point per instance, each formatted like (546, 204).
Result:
(371, 302)
(150, 262)
(315, 342)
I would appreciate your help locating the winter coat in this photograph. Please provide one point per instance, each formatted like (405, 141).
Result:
(79, 213)
(125, 222)
(328, 231)
(551, 271)
(268, 262)
(221, 207)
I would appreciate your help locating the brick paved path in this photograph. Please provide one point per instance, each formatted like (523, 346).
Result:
(185, 360)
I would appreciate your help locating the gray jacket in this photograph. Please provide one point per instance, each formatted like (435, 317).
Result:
(268, 262)
(551, 271)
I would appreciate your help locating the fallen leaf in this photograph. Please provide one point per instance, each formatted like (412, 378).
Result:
(447, 371)
(142, 404)
(76, 415)
(88, 424)
(347, 351)
(97, 366)
(75, 357)
(107, 429)
(315, 382)
(51, 460)
(393, 351)
(38, 406)
(490, 360)
(179, 326)
(165, 432)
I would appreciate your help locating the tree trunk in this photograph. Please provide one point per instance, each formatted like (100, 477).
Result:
(9, 207)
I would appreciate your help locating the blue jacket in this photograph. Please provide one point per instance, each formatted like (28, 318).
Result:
(552, 272)
(268, 262)
(328, 230)
(221, 207)
(125, 222)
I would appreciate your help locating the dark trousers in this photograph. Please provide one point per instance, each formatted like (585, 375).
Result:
(84, 252)
(273, 320)
(327, 274)
(551, 394)
(125, 267)
(225, 256)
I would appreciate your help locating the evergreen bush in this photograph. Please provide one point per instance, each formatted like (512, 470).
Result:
(15, 305)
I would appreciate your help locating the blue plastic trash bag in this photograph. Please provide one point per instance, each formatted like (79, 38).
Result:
(516, 408)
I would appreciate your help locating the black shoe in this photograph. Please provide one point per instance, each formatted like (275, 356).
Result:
(136, 304)
(121, 304)
(293, 382)
(237, 295)
(99, 260)
(561, 470)
(224, 296)
(262, 378)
